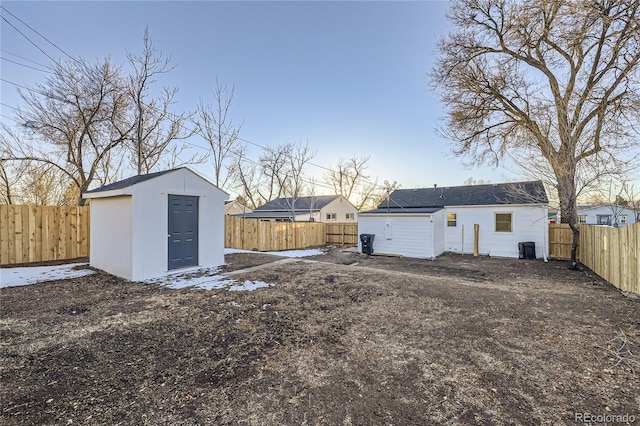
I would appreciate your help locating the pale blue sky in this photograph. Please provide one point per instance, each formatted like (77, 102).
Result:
(349, 78)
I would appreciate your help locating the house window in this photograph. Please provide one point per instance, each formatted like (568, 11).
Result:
(452, 219)
(503, 222)
(331, 216)
(582, 218)
(623, 218)
(350, 216)
(604, 219)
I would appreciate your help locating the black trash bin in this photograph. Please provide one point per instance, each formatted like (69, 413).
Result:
(367, 243)
(527, 250)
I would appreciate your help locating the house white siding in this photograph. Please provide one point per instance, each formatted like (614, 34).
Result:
(529, 223)
(111, 232)
(340, 206)
(439, 221)
(410, 236)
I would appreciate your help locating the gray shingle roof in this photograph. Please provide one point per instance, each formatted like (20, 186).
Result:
(475, 195)
(302, 204)
(130, 181)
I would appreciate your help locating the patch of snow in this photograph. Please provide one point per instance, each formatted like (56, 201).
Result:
(14, 277)
(249, 286)
(207, 279)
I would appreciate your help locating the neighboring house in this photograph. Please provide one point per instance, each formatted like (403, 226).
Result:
(232, 207)
(151, 225)
(318, 208)
(427, 222)
(606, 214)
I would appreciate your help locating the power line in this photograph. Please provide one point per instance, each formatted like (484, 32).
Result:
(35, 31)
(25, 36)
(23, 58)
(25, 65)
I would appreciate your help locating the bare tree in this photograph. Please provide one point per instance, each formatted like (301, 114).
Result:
(11, 172)
(274, 172)
(78, 117)
(633, 199)
(349, 179)
(348, 175)
(299, 156)
(554, 78)
(471, 181)
(217, 128)
(155, 127)
(382, 193)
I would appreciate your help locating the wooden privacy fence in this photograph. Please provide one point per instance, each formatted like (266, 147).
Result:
(251, 234)
(43, 233)
(560, 239)
(612, 253)
(342, 233)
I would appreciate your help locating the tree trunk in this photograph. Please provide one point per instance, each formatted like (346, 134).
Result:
(569, 214)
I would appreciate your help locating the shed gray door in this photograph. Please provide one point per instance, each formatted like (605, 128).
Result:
(183, 231)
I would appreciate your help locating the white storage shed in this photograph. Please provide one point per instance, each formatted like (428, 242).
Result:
(151, 225)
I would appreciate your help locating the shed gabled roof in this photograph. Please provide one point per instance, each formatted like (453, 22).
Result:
(302, 204)
(124, 187)
(130, 181)
(474, 195)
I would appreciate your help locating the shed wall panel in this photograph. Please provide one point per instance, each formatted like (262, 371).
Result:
(111, 228)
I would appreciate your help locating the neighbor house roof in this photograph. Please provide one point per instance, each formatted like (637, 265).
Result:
(474, 195)
(302, 204)
(129, 181)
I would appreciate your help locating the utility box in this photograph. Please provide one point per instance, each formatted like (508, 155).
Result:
(367, 243)
(527, 250)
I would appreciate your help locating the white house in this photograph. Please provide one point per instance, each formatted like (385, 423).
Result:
(318, 208)
(233, 207)
(427, 222)
(606, 214)
(150, 225)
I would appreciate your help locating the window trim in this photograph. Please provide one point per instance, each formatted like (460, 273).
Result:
(334, 216)
(353, 216)
(495, 223)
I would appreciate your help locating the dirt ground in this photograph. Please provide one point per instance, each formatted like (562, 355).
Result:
(340, 339)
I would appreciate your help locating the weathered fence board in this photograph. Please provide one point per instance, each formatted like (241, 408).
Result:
(30, 233)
